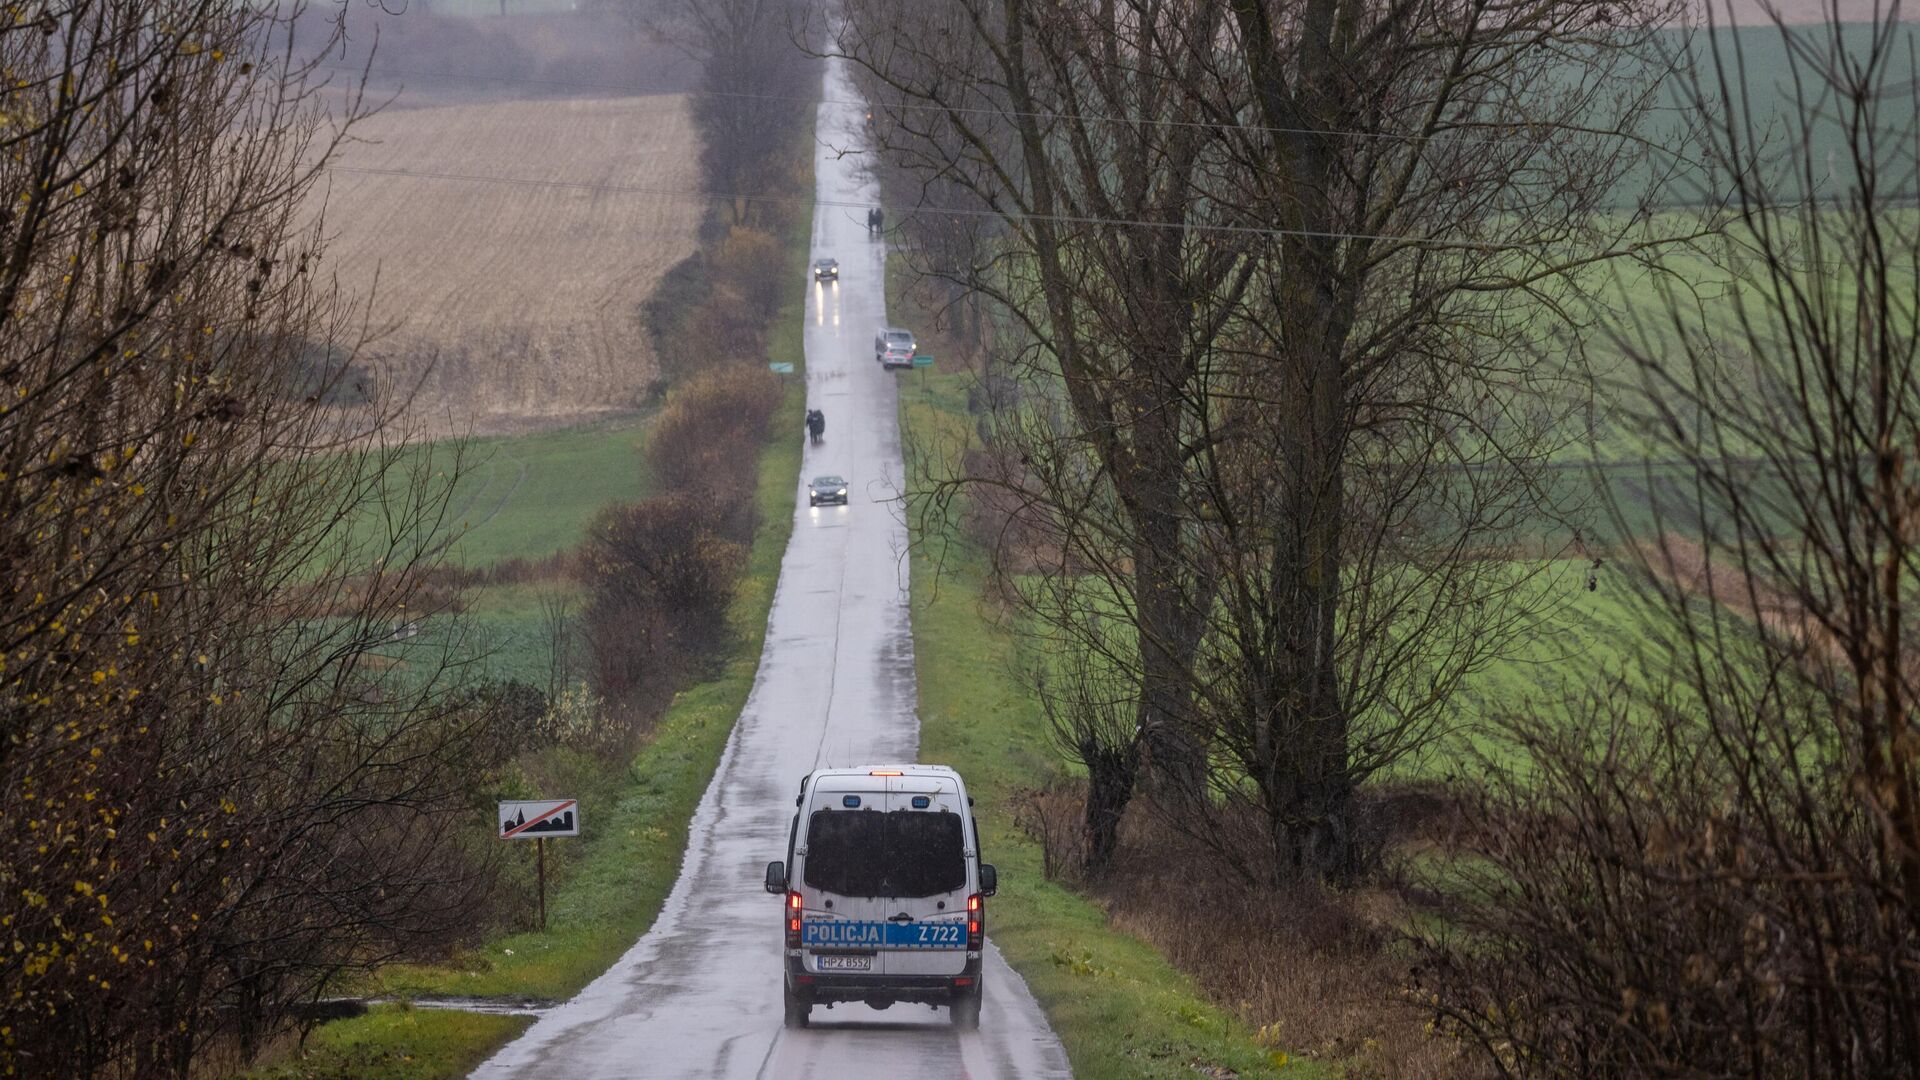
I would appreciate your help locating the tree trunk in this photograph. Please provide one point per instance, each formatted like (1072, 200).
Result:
(1110, 778)
(1168, 619)
(1310, 793)
(1311, 800)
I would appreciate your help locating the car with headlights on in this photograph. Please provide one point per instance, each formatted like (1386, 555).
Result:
(827, 491)
(826, 270)
(894, 347)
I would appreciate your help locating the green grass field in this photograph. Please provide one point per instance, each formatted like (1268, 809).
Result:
(527, 497)
(509, 630)
(510, 497)
(530, 496)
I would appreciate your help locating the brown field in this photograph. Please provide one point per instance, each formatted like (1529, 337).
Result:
(513, 304)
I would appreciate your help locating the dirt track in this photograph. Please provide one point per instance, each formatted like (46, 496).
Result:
(524, 298)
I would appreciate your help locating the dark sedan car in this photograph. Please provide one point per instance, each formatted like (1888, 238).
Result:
(827, 491)
(826, 270)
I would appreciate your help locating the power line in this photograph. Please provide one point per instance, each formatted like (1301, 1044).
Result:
(1063, 219)
(646, 91)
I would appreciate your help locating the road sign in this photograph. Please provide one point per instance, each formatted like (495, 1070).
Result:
(923, 360)
(535, 819)
(779, 368)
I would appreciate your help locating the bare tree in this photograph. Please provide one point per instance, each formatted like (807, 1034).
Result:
(1277, 281)
(755, 88)
(224, 792)
(556, 615)
(1713, 866)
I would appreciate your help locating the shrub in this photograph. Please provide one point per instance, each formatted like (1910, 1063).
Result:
(751, 262)
(705, 440)
(662, 580)
(713, 334)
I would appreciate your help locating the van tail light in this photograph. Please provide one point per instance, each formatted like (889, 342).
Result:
(976, 922)
(793, 920)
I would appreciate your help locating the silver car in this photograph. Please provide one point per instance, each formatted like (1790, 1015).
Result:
(892, 343)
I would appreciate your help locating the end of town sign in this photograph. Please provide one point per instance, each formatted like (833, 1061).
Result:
(534, 819)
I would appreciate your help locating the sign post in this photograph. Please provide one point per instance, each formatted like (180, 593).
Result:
(921, 362)
(537, 819)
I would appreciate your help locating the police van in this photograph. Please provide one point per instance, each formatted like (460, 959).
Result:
(883, 892)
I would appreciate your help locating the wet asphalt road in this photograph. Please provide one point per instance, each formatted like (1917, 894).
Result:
(699, 995)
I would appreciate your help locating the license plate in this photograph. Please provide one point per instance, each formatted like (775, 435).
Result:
(844, 963)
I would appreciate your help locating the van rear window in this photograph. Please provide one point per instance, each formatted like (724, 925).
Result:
(898, 853)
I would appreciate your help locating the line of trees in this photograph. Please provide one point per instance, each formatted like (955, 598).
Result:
(219, 795)
(1285, 300)
(662, 571)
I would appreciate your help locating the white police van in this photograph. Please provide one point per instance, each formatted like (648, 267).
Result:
(884, 892)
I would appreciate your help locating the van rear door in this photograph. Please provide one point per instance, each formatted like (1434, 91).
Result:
(845, 920)
(927, 878)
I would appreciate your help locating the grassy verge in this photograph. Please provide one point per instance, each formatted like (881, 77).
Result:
(618, 875)
(394, 1042)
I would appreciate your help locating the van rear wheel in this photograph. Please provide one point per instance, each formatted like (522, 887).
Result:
(965, 1011)
(798, 1008)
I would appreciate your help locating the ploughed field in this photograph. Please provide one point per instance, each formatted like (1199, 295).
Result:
(508, 246)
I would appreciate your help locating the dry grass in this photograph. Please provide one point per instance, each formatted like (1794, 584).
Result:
(1320, 973)
(523, 297)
